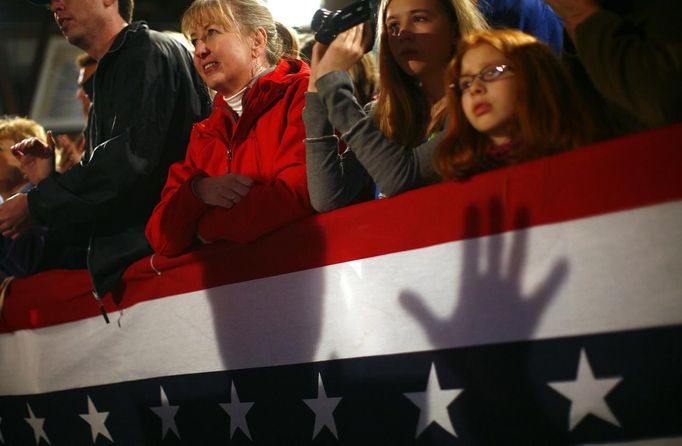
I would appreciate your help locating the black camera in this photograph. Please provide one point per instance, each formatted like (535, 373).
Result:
(329, 24)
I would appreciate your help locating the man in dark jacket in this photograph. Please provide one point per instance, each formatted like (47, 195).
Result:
(627, 57)
(146, 95)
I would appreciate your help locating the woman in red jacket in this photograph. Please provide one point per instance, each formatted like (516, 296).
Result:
(244, 172)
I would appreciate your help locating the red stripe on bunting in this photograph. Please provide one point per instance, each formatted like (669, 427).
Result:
(616, 175)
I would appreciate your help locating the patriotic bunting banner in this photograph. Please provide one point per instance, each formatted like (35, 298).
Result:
(539, 304)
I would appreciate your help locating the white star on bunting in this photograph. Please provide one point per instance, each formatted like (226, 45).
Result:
(324, 409)
(433, 404)
(167, 414)
(37, 426)
(237, 412)
(96, 421)
(587, 394)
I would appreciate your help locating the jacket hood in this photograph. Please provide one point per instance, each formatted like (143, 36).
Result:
(266, 90)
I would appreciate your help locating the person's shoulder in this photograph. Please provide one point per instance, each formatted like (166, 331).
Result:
(133, 32)
(294, 68)
(288, 73)
(509, 9)
(133, 41)
(150, 45)
(169, 38)
(138, 35)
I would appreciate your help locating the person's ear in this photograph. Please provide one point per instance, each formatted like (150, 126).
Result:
(259, 40)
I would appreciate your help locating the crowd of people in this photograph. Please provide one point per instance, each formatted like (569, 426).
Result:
(295, 126)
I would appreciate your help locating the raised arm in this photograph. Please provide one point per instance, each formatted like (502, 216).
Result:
(393, 167)
(637, 63)
(334, 179)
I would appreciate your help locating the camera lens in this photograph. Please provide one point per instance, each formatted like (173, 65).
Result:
(319, 18)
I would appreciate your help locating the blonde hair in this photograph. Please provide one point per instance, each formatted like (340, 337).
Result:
(400, 95)
(17, 129)
(247, 16)
(290, 41)
(549, 115)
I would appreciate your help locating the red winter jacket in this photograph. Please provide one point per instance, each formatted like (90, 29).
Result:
(265, 143)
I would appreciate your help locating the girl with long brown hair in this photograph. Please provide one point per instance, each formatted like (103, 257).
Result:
(390, 143)
(509, 100)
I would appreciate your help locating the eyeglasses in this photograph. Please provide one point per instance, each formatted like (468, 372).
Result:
(488, 74)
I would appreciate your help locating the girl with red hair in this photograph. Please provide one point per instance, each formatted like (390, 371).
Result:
(509, 100)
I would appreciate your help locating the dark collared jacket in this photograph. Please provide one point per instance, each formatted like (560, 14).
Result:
(146, 95)
(627, 60)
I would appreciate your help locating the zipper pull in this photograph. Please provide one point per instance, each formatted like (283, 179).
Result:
(101, 307)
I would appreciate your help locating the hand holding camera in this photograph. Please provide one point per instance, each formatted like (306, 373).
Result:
(329, 24)
(342, 37)
(344, 51)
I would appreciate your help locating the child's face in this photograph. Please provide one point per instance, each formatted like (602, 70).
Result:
(488, 105)
(420, 36)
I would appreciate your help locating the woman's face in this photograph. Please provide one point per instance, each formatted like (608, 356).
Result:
(489, 106)
(223, 58)
(420, 36)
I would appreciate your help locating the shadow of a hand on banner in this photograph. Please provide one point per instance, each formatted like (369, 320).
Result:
(484, 341)
(491, 305)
